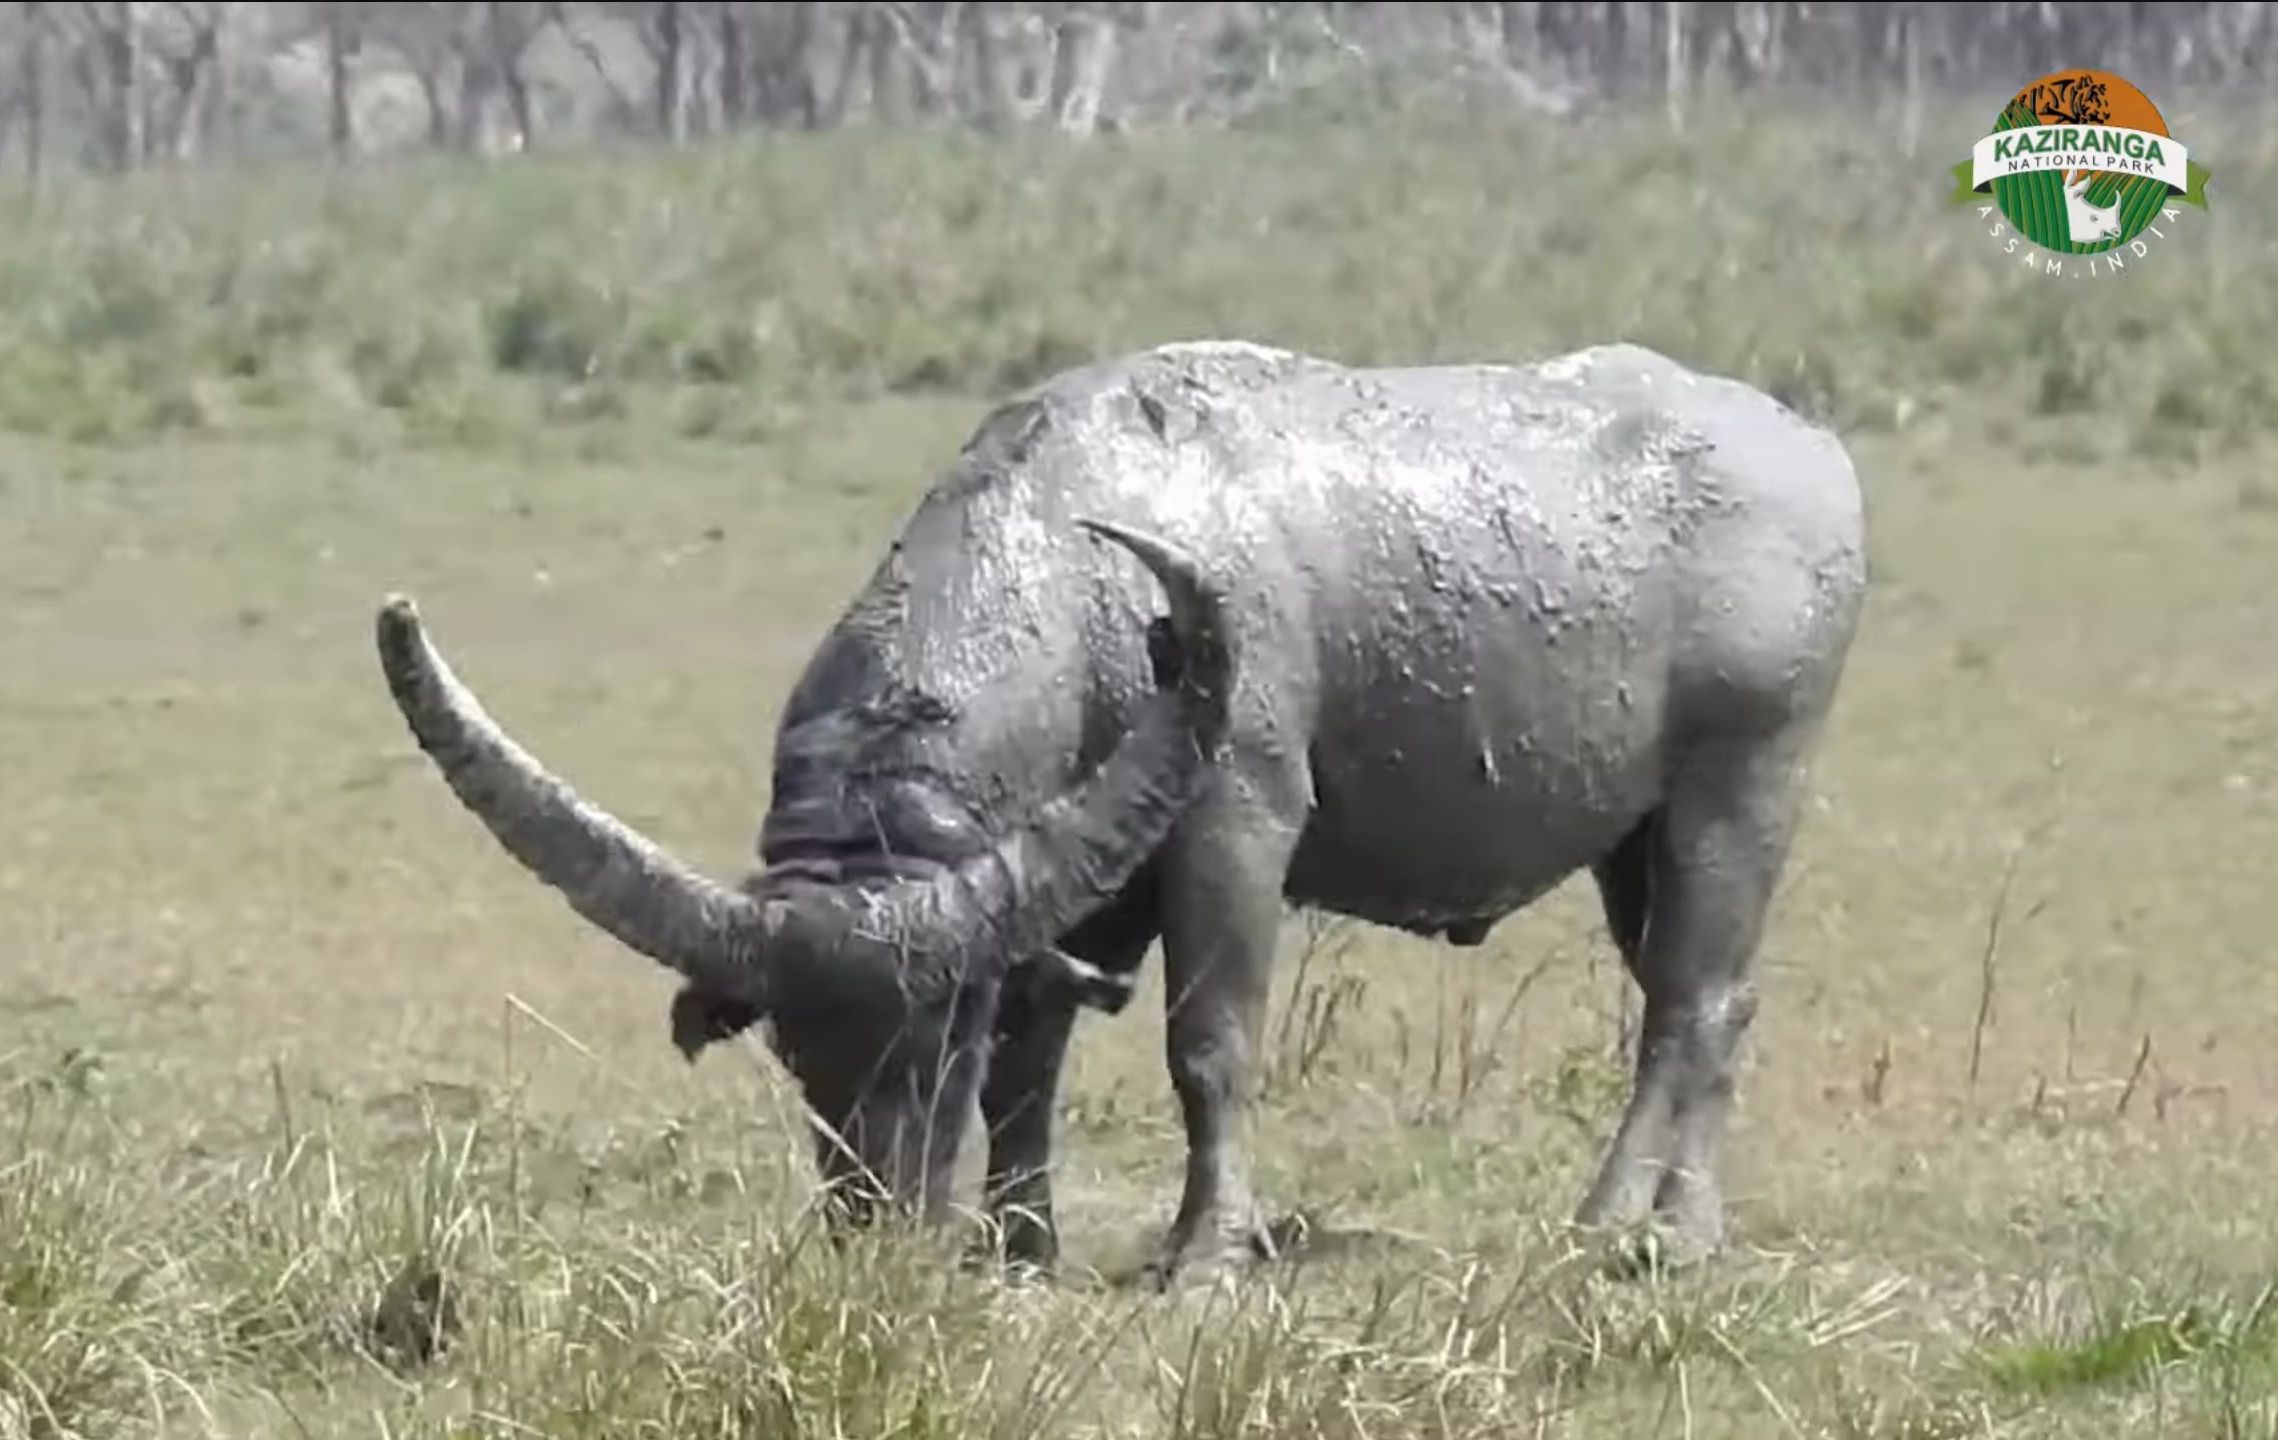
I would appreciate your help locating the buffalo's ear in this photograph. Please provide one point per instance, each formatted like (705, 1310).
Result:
(1056, 972)
(701, 1018)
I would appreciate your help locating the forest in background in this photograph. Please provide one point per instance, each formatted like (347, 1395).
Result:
(129, 84)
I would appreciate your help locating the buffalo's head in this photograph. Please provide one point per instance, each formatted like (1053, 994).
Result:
(878, 981)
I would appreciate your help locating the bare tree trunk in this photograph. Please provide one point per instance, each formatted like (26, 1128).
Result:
(735, 76)
(2052, 40)
(216, 129)
(1083, 56)
(931, 55)
(31, 78)
(1910, 121)
(438, 114)
(1613, 48)
(992, 105)
(798, 66)
(671, 118)
(1673, 61)
(339, 42)
(627, 112)
(2242, 47)
(852, 51)
(933, 73)
(189, 75)
(783, 70)
(2124, 26)
(122, 66)
(474, 98)
(431, 39)
(1756, 41)
(509, 40)
(1531, 44)
(887, 83)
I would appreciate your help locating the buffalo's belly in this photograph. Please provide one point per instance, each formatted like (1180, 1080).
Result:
(1437, 811)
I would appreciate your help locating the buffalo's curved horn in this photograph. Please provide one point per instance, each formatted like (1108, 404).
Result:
(1085, 847)
(610, 874)
(910, 936)
(1015, 900)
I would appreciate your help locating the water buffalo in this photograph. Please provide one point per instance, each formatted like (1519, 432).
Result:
(1437, 639)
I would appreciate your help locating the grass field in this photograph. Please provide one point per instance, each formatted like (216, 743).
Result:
(282, 1033)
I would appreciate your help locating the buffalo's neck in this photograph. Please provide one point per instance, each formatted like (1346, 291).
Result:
(919, 731)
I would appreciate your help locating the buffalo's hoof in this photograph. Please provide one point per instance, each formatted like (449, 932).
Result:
(1017, 1245)
(1655, 1250)
(982, 1256)
(1216, 1255)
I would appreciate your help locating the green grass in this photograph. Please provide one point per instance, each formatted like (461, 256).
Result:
(294, 1065)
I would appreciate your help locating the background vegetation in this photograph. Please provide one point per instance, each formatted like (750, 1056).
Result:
(130, 84)
(320, 1119)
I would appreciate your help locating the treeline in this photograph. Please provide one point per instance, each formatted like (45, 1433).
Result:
(127, 84)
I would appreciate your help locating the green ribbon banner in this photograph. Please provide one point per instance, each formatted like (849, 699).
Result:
(2194, 194)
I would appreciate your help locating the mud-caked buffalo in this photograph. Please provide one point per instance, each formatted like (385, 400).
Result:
(1189, 635)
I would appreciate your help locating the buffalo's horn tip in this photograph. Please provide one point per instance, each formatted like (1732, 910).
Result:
(1167, 560)
(1147, 545)
(399, 614)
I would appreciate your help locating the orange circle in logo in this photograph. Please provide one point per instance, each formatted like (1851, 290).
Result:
(2083, 96)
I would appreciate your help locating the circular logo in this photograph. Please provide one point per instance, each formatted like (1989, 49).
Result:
(2111, 129)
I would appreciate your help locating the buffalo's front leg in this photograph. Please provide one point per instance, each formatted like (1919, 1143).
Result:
(1017, 1102)
(1703, 871)
(1221, 918)
(1019, 1097)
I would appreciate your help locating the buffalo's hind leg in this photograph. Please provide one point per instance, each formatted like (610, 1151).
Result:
(1686, 897)
(1627, 1177)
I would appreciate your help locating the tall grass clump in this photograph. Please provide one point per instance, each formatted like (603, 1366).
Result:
(851, 264)
(2150, 1330)
(89, 1305)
